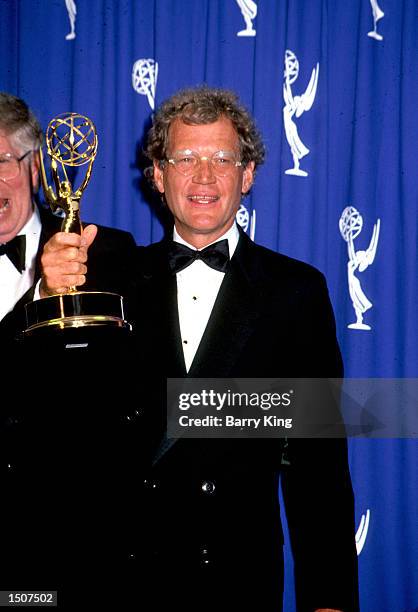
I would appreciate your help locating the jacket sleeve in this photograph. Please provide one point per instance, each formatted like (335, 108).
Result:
(316, 482)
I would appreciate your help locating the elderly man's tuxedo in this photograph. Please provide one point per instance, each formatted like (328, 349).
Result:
(58, 464)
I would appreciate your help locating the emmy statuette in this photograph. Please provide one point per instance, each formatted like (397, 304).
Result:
(71, 141)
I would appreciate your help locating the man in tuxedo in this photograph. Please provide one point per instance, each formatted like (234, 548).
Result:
(210, 303)
(38, 463)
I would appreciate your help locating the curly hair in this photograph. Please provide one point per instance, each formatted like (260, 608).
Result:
(19, 123)
(200, 106)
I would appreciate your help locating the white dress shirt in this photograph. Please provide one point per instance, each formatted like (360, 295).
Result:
(13, 284)
(197, 289)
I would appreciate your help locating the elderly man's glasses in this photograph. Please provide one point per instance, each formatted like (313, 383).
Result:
(10, 165)
(188, 163)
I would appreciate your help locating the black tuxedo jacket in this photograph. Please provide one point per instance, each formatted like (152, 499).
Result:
(62, 465)
(195, 524)
(210, 508)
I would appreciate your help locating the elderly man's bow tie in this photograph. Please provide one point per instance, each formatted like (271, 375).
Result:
(215, 255)
(15, 251)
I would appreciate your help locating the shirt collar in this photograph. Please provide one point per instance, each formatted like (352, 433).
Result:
(232, 235)
(33, 225)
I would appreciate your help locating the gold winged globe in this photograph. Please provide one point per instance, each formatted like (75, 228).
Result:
(71, 142)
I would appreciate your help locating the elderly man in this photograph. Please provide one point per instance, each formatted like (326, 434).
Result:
(44, 474)
(206, 529)
(20, 225)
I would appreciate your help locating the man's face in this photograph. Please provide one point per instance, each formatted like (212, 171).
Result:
(203, 205)
(16, 194)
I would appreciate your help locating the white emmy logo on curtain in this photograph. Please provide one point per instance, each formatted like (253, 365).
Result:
(72, 12)
(296, 105)
(249, 12)
(243, 220)
(351, 224)
(377, 14)
(144, 78)
(362, 530)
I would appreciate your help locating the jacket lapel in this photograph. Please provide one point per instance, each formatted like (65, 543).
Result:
(158, 301)
(233, 317)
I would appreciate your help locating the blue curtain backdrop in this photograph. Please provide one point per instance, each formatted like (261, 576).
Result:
(340, 114)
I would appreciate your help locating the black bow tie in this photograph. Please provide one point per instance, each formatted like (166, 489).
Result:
(15, 251)
(215, 255)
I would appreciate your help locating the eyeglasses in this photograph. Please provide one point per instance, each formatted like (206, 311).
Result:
(188, 162)
(10, 165)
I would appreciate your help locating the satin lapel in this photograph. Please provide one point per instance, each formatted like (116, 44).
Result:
(233, 317)
(160, 314)
(160, 293)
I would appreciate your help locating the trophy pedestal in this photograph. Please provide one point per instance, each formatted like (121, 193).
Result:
(76, 319)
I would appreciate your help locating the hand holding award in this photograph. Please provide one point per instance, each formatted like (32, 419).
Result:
(71, 141)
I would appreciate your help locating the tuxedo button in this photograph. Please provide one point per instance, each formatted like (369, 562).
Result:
(150, 484)
(12, 421)
(208, 487)
(133, 416)
(204, 556)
